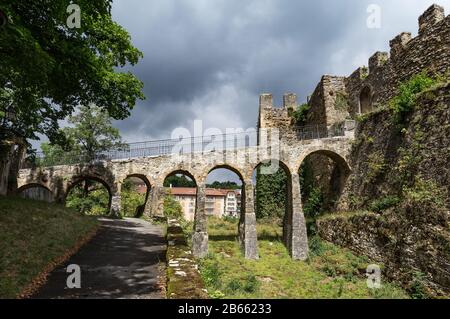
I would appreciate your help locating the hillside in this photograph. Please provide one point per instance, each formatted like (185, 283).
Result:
(33, 236)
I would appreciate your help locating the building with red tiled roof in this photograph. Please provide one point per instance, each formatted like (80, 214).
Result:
(219, 202)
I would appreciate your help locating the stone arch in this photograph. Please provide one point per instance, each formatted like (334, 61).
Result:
(239, 175)
(141, 209)
(181, 171)
(288, 213)
(365, 100)
(47, 195)
(112, 189)
(338, 175)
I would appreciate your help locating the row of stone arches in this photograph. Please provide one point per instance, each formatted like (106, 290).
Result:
(294, 229)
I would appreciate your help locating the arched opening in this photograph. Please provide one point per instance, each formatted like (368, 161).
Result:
(180, 195)
(273, 203)
(323, 175)
(365, 100)
(134, 195)
(36, 192)
(89, 195)
(225, 202)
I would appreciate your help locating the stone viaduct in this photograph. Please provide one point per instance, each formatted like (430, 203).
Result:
(278, 144)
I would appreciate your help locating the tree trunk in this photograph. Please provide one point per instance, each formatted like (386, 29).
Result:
(5, 164)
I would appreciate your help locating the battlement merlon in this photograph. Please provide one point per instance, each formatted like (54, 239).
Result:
(399, 44)
(265, 101)
(290, 101)
(430, 17)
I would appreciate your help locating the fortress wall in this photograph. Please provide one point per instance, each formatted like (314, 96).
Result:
(430, 51)
(408, 56)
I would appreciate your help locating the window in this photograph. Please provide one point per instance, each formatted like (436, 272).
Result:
(365, 100)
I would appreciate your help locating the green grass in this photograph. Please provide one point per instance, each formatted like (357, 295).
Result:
(32, 234)
(330, 272)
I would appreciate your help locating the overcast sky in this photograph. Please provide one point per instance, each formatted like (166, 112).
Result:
(210, 59)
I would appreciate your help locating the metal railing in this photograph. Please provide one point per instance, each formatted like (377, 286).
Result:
(190, 145)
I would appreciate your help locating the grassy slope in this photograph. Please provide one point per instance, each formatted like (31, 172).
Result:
(32, 234)
(330, 272)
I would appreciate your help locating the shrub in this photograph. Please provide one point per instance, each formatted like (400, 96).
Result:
(425, 192)
(417, 288)
(234, 285)
(313, 206)
(406, 99)
(316, 247)
(172, 208)
(384, 203)
(211, 274)
(299, 115)
(251, 284)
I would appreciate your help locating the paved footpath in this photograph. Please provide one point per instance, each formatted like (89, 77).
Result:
(124, 260)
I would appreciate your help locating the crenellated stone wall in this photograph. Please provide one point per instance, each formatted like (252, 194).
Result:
(429, 51)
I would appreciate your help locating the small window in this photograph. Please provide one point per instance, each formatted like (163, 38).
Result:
(365, 100)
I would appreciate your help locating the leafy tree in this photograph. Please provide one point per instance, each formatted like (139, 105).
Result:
(179, 181)
(47, 69)
(224, 185)
(93, 202)
(91, 135)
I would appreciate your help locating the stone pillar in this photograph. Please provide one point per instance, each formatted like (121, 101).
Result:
(200, 236)
(247, 224)
(116, 200)
(155, 202)
(115, 205)
(297, 236)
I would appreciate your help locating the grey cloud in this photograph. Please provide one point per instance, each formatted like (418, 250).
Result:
(210, 59)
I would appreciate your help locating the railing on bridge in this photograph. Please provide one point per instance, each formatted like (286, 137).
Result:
(189, 145)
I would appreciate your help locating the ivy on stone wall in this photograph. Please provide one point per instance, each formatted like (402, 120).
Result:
(271, 191)
(299, 115)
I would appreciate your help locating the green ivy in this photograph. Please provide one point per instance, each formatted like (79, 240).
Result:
(406, 100)
(300, 114)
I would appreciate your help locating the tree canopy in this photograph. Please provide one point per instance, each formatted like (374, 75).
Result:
(90, 136)
(47, 69)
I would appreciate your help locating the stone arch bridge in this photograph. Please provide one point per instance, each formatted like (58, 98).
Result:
(287, 153)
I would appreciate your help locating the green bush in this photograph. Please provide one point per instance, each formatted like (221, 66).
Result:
(316, 246)
(234, 285)
(251, 284)
(384, 203)
(131, 199)
(94, 201)
(425, 192)
(211, 274)
(417, 288)
(405, 101)
(172, 208)
(313, 206)
(299, 115)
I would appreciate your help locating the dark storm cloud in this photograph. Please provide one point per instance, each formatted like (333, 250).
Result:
(210, 59)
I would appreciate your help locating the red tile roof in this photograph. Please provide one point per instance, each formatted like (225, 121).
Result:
(188, 191)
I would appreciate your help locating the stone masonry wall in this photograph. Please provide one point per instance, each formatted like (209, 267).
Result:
(412, 236)
(429, 51)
